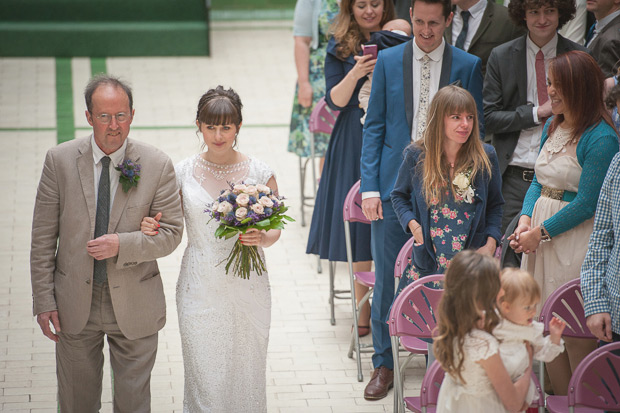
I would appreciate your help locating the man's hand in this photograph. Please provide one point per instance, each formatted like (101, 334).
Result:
(44, 322)
(106, 246)
(544, 111)
(372, 208)
(600, 325)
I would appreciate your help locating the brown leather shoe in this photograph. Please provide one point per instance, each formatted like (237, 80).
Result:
(381, 382)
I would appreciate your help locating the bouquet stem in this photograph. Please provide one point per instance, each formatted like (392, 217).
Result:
(244, 259)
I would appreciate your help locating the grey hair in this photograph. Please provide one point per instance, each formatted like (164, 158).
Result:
(105, 79)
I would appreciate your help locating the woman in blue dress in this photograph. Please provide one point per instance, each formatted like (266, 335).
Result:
(345, 73)
(448, 190)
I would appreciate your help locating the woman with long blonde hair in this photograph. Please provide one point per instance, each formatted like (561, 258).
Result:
(346, 71)
(448, 190)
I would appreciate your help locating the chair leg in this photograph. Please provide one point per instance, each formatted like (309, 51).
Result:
(398, 384)
(319, 268)
(332, 292)
(541, 372)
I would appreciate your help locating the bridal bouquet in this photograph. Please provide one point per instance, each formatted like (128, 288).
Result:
(239, 209)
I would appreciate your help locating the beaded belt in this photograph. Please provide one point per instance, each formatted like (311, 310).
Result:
(558, 194)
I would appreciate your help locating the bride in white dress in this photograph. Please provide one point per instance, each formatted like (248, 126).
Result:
(223, 319)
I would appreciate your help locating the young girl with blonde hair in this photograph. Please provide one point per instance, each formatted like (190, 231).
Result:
(517, 303)
(476, 379)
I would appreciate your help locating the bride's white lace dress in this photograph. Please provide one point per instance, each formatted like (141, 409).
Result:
(224, 320)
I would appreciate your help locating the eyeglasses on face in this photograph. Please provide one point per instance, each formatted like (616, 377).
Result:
(106, 118)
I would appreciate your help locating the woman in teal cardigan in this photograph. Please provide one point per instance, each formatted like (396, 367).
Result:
(556, 221)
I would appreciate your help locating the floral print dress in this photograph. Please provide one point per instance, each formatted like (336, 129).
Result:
(450, 225)
(299, 136)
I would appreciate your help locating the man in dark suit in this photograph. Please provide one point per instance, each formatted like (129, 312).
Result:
(405, 79)
(479, 26)
(516, 104)
(605, 41)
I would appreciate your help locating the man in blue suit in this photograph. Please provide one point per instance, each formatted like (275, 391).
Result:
(406, 77)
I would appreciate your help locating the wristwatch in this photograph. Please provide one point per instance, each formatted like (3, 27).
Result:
(544, 235)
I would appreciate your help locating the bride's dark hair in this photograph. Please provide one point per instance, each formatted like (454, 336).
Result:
(220, 106)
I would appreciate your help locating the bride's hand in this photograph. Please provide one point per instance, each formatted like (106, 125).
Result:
(253, 237)
(150, 226)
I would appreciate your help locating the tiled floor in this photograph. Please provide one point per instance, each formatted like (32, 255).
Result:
(308, 368)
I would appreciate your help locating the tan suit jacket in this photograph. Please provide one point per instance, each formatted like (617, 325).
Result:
(64, 221)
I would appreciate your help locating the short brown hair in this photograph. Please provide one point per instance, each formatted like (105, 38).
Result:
(517, 9)
(446, 5)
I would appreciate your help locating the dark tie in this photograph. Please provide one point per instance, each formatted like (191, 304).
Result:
(460, 41)
(590, 34)
(100, 273)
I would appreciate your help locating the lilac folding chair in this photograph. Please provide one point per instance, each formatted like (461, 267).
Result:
(402, 260)
(429, 392)
(322, 119)
(595, 384)
(431, 383)
(412, 316)
(565, 303)
(352, 212)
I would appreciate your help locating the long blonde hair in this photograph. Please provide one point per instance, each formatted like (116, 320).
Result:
(347, 32)
(470, 291)
(434, 167)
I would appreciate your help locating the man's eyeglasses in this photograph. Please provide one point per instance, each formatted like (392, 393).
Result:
(106, 118)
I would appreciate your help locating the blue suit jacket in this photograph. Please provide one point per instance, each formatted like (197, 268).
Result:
(409, 203)
(387, 130)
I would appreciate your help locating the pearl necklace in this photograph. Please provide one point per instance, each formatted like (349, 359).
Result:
(219, 172)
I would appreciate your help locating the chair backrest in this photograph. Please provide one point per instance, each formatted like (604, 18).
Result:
(322, 118)
(413, 311)
(431, 383)
(566, 303)
(403, 258)
(596, 381)
(352, 208)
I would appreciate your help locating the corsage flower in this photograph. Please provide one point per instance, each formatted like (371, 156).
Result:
(130, 174)
(463, 187)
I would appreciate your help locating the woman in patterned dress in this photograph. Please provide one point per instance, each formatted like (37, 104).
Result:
(310, 27)
(448, 190)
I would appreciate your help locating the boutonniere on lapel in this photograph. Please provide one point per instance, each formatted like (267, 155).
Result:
(462, 185)
(130, 174)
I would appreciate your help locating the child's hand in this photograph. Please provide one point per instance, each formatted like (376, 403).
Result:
(556, 327)
(150, 226)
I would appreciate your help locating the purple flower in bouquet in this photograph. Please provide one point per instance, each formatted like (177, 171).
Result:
(239, 209)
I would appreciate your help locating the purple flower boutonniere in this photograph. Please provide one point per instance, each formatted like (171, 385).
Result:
(130, 174)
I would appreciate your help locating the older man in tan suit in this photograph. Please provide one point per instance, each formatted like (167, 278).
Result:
(93, 272)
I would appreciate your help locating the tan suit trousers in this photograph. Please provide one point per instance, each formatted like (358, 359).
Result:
(79, 360)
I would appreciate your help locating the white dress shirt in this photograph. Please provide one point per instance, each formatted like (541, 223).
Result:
(436, 57)
(115, 158)
(477, 10)
(526, 151)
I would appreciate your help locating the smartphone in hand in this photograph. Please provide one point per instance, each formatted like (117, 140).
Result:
(370, 49)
